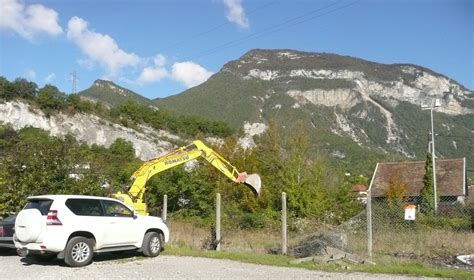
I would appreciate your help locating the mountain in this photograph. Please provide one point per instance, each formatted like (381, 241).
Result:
(353, 109)
(111, 94)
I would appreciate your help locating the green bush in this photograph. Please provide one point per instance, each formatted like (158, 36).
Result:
(461, 222)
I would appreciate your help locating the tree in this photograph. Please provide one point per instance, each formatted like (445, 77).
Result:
(25, 88)
(123, 148)
(7, 89)
(49, 97)
(427, 193)
(396, 191)
(75, 101)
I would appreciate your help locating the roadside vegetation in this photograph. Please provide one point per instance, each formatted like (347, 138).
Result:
(36, 163)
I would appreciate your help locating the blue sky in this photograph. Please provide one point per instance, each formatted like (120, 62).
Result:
(160, 48)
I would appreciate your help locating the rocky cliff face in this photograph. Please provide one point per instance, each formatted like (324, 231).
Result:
(377, 106)
(90, 129)
(407, 83)
(349, 85)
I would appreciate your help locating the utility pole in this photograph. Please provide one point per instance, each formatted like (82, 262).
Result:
(434, 105)
(434, 164)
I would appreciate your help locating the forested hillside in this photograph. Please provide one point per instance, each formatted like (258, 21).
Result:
(128, 113)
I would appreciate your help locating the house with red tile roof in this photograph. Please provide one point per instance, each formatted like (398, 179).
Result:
(450, 180)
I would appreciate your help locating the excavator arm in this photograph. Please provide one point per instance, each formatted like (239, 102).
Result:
(134, 196)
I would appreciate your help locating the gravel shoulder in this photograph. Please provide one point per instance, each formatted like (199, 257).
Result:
(127, 266)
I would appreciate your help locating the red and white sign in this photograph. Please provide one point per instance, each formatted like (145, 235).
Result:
(410, 211)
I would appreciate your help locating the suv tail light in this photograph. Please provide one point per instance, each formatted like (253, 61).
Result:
(1, 231)
(52, 219)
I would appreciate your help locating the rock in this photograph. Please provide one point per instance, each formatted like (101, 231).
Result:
(86, 128)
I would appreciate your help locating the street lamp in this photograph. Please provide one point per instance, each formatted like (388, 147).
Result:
(434, 105)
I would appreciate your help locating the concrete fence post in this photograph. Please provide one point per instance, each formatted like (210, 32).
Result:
(284, 241)
(164, 212)
(369, 224)
(218, 222)
(369, 214)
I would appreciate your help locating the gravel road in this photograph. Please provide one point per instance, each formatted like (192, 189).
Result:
(128, 266)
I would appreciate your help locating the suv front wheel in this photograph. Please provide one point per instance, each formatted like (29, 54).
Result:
(151, 246)
(79, 251)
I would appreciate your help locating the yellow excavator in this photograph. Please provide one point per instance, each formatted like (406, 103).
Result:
(135, 194)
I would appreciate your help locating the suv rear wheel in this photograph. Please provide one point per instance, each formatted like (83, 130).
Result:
(151, 246)
(78, 251)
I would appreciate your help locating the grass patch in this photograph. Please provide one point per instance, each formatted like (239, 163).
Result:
(406, 268)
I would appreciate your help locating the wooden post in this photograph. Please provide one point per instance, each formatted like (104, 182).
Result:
(218, 221)
(164, 212)
(283, 224)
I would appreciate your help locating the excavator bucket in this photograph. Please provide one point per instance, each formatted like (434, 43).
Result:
(254, 182)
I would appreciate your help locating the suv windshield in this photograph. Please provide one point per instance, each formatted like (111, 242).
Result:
(42, 205)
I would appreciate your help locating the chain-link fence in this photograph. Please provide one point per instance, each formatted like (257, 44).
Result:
(391, 232)
(401, 230)
(386, 231)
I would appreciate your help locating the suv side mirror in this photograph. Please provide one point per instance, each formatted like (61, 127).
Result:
(134, 215)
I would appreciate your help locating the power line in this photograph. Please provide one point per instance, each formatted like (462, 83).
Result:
(260, 33)
(219, 26)
(277, 27)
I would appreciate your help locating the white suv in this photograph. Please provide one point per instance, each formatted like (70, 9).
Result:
(73, 228)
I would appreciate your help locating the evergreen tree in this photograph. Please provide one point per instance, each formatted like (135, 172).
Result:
(427, 201)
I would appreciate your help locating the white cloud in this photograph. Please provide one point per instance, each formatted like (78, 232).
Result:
(154, 73)
(189, 73)
(30, 74)
(99, 48)
(151, 75)
(50, 77)
(28, 21)
(159, 60)
(236, 13)
(86, 63)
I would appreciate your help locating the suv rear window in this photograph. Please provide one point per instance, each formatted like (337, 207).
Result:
(42, 205)
(84, 207)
